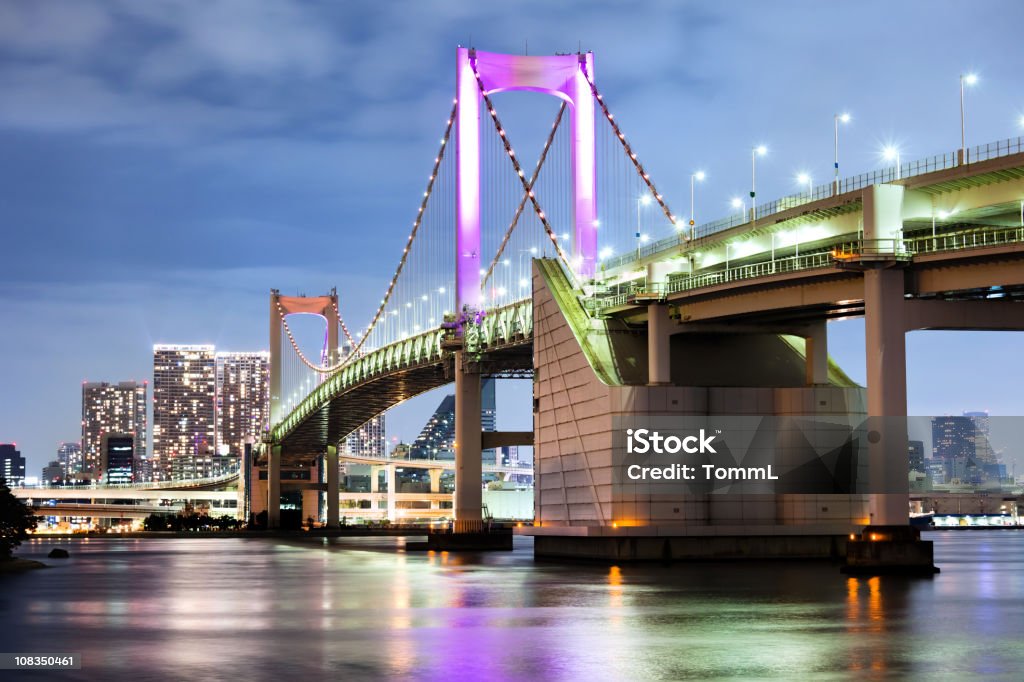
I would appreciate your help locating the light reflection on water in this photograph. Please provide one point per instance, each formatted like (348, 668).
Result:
(259, 609)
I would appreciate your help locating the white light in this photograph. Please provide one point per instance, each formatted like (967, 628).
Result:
(506, 262)
(645, 200)
(440, 290)
(970, 78)
(502, 291)
(597, 223)
(737, 202)
(565, 235)
(890, 153)
(803, 178)
(644, 238)
(423, 297)
(533, 250)
(524, 282)
(844, 117)
(482, 271)
(943, 215)
(604, 253)
(761, 150)
(699, 175)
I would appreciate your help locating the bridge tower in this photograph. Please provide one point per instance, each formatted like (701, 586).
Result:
(480, 74)
(325, 306)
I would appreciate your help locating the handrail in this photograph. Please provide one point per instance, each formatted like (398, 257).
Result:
(931, 164)
(840, 251)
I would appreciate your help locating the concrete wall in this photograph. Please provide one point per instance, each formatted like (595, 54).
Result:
(573, 444)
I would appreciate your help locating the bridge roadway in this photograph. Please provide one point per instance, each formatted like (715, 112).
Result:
(956, 233)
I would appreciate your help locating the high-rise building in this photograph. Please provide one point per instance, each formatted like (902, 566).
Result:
(952, 437)
(243, 400)
(184, 404)
(983, 452)
(915, 449)
(53, 473)
(118, 462)
(111, 408)
(69, 455)
(12, 464)
(368, 440)
(437, 438)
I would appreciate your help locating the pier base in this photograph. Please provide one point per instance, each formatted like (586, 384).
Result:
(487, 541)
(889, 550)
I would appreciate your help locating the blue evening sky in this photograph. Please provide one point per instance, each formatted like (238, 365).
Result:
(165, 163)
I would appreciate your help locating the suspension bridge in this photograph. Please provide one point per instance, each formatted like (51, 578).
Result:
(541, 270)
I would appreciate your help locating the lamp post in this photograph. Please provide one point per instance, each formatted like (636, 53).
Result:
(965, 79)
(838, 118)
(694, 178)
(892, 153)
(757, 151)
(644, 200)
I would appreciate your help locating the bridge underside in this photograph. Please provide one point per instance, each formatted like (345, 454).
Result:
(353, 408)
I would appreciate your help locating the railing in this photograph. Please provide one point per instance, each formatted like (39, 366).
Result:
(149, 485)
(991, 150)
(899, 249)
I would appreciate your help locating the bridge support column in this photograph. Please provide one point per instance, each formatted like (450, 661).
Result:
(659, 354)
(333, 488)
(435, 480)
(468, 449)
(274, 487)
(887, 395)
(392, 485)
(816, 352)
(374, 479)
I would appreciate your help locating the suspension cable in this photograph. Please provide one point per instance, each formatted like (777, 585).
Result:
(629, 151)
(398, 271)
(526, 197)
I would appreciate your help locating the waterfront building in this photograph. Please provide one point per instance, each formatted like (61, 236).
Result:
(53, 473)
(110, 408)
(12, 464)
(184, 404)
(69, 455)
(915, 449)
(368, 440)
(243, 399)
(118, 463)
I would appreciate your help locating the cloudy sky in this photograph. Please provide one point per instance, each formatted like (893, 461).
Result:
(165, 163)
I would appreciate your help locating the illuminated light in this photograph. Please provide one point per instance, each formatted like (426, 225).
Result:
(852, 536)
(423, 297)
(524, 282)
(699, 176)
(440, 290)
(803, 178)
(533, 250)
(506, 262)
(565, 235)
(844, 117)
(615, 525)
(644, 238)
(874, 537)
(970, 78)
(761, 150)
(736, 202)
(646, 200)
(606, 252)
(597, 223)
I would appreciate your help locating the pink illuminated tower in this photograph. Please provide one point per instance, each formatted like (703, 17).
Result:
(564, 76)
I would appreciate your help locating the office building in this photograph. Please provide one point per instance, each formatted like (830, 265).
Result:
(53, 473)
(952, 437)
(915, 450)
(243, 400)
(184, 404)
(12, 465)
(69, 455)
(368, 440)
(118, 462)
(437, 438)
(111, 408)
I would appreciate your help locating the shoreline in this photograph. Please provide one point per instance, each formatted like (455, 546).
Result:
(17, 565)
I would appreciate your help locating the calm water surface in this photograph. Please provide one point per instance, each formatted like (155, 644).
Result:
(259, 609)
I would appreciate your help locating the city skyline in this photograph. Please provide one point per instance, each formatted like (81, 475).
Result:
(267, 163)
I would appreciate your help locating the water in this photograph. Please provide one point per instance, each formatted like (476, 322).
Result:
(260, 609)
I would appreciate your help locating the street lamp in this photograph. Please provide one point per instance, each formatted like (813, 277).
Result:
(759, 150)
(694, 178)
(644, 200)
(805, 179)
(839, 118)
(892, 153)
(965, 79)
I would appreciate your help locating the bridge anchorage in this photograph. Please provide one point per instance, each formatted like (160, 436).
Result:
(725, 320)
